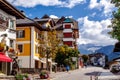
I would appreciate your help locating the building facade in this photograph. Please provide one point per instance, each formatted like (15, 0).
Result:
(34, 41)
(8, 16)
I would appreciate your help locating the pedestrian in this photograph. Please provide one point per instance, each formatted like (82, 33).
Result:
(67, 68)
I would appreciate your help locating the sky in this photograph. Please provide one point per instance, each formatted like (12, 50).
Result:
(93, 16)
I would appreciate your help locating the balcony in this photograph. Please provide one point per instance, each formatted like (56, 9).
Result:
(11, 33)
(67, 30)
(68, 39)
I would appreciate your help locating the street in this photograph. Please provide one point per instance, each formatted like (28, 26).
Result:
(89, 73)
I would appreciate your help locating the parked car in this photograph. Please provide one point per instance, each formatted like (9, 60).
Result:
(115, 68)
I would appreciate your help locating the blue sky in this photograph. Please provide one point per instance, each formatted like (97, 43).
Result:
(93, 16)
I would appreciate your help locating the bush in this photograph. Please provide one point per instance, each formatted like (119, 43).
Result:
(21, 76)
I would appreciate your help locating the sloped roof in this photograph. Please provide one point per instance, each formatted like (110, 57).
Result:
(28, 22)
(68, 20)
(23, 21)
(8, 8)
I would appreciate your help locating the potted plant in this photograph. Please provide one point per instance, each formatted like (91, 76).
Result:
(22, 77)
(44, 74)
(11, 50)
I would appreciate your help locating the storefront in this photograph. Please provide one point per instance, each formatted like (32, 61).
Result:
(4, 63)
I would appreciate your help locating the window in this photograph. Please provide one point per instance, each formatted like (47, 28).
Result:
(69, 43)
(11, 43)
(68, 26)
(67, 35)
(12, 24)
(20, 34)
(20, 47)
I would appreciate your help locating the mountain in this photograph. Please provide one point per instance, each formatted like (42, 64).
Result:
(88, 48)
(106, 49)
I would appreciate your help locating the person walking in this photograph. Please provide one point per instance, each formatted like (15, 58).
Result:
(67, 68)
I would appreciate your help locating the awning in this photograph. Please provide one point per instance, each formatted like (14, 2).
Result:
(4, 58)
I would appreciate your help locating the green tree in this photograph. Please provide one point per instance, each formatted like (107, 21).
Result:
(85, 58)
(116, 2)
(115, 32)
(65, 54)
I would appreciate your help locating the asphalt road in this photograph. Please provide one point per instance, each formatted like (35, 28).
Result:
(89, 73)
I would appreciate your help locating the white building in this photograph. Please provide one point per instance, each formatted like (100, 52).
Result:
(8, 16)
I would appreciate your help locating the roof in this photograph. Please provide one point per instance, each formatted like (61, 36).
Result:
(23, 21)
(27, 22)
(8, 8)
(113, 56)
(55, 23)
(68, 20)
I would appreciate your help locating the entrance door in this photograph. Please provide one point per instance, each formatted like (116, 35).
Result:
(36, 64)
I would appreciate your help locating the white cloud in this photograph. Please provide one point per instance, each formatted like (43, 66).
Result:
(93, 14)
(102, 4)
(69, 16)
(95, 32)
(53, 16)
(33, 3)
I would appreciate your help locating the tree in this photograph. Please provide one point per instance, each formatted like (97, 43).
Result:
(85, 58)
(49, 43)
(53, 42)
(65, 54)
(115, 32)
(116, 2)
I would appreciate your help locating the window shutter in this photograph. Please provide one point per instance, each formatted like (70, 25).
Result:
(23, 33)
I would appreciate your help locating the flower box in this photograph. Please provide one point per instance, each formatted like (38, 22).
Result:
(11, 50)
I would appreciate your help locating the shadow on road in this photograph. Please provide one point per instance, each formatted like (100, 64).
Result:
(117, 73)
(95, 73)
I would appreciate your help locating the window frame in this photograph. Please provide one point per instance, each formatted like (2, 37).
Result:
(22, 48)
(20, 33)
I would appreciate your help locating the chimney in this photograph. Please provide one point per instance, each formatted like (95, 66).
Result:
(22, 12)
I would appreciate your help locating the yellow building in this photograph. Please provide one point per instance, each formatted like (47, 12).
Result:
(31, 32)
(29, 35)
